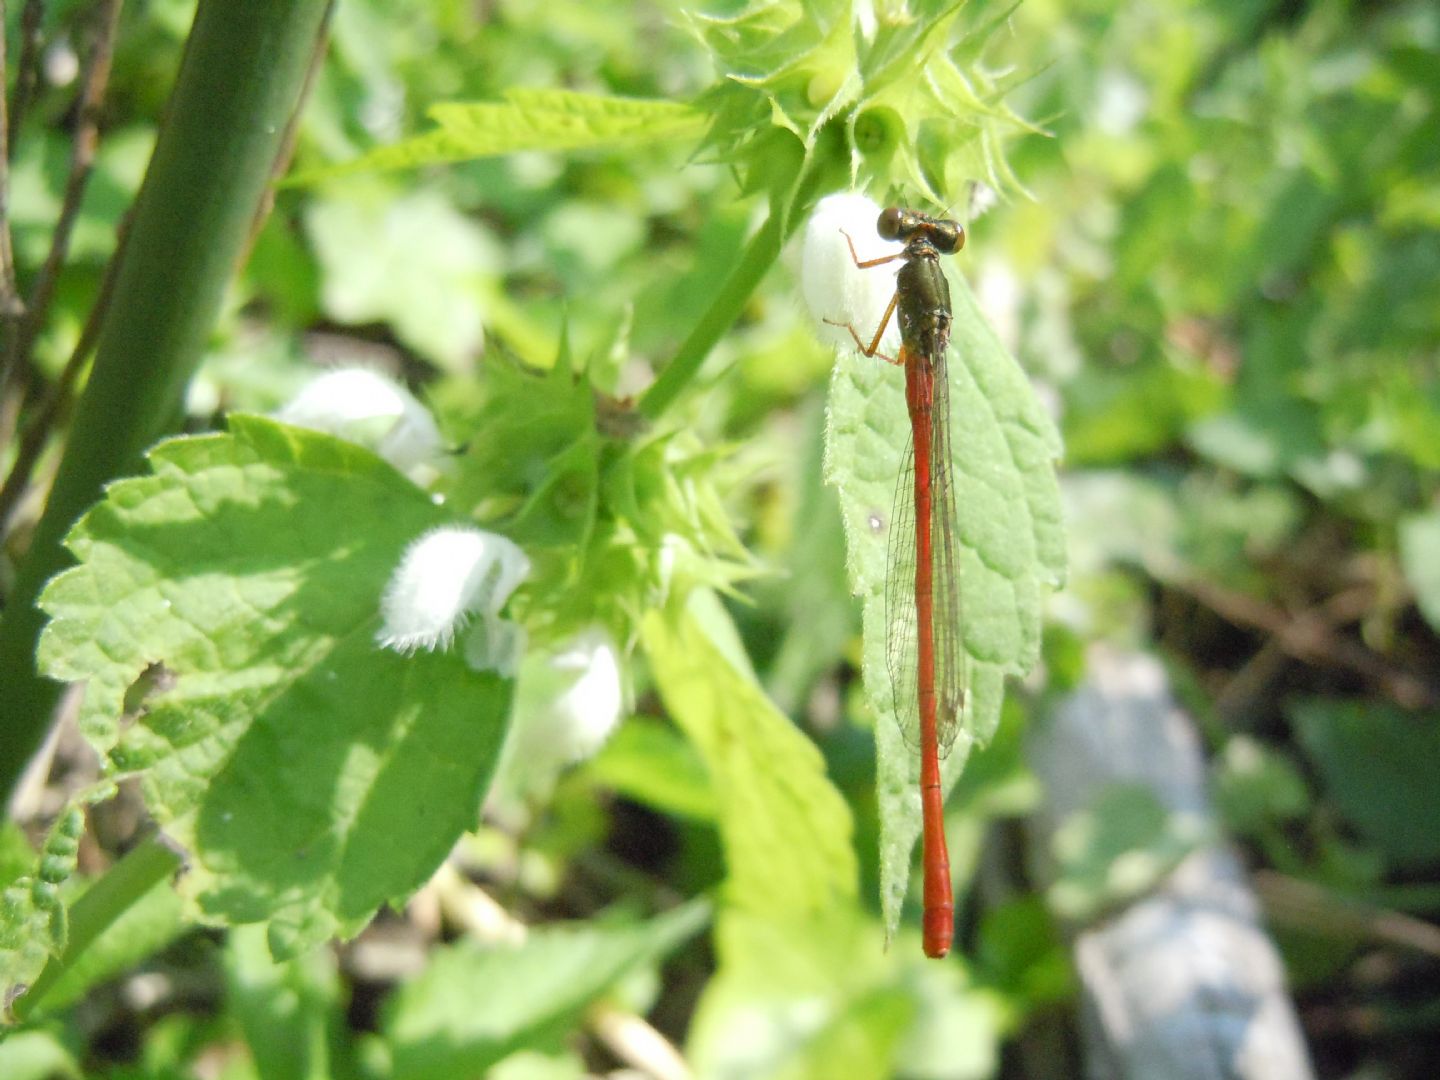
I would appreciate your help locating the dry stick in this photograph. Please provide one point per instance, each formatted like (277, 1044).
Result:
(28, 73)
(1312, 907)
(21, 340)
(10, 305)
(56, 406)
(82, 162)
(1308, 637)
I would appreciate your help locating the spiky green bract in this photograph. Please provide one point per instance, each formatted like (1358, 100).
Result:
(223, 616)
(615, 515)
(1003, 449)
(905, 84)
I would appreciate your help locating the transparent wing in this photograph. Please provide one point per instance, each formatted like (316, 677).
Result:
(901, 646)
(951, 674)
(901, 655)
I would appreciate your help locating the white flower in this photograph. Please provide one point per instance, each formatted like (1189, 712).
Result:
(836, 290)
(368, 408)
(496, 644)
(448, 575)
(567, 705)
(588, 711)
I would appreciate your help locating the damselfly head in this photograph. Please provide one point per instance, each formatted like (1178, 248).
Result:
(944, 235)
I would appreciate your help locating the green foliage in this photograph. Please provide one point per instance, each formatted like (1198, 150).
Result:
(1420, 559)
(37, 1055)
(143, 926)
(406, 259)
(526, 120)
(475, 1005)
(1378, 767)
(249, 569)
(914, 107)
(1224, 285)
(785, 830)
(653, 765)
(289, 1011)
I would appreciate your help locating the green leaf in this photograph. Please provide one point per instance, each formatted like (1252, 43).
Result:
(476, 1004)
(1379, 766)
(785, 829)
(310, 775)
(813, 68)
(1420, 559)
(1003, 448)
(527, 120)
(289, 1011)
(1257, 787)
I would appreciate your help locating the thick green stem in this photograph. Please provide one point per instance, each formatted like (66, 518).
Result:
(239, 85)
(103, 903)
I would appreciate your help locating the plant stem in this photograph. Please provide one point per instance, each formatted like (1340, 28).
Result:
(792, 197)
(757, 258)
(238, 86)
(115, 893)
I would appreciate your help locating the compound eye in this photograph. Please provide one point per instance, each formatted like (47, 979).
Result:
(891, 221)
(948, 237)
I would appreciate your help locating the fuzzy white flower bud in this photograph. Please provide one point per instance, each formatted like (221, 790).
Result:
(568, 703)
(589, 710)
(835, 289)
(368, 408)
(446, 577)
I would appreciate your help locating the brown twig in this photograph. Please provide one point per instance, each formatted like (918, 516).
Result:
(57, 405)
(1309, 906)
(28, 72)
(20, 339)
(10, 306)
(82, 162)
(1310, 637)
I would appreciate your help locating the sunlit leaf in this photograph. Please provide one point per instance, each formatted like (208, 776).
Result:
(785, 829)
(310, 775)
